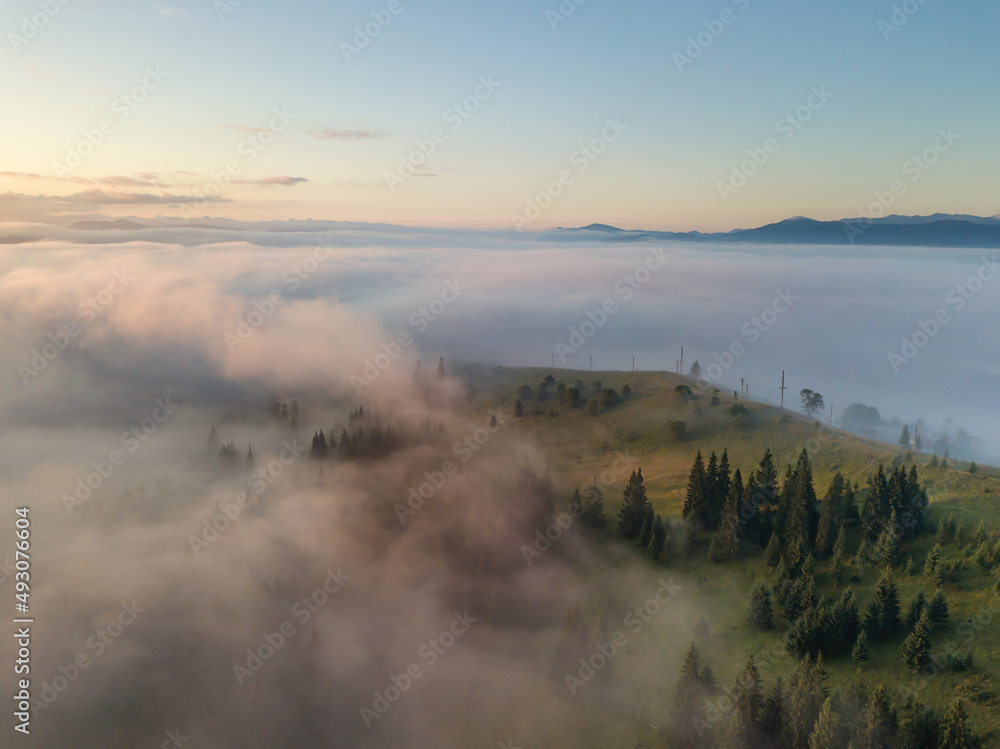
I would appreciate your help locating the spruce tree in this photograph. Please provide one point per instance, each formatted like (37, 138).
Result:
(759, 613)
(636, 511)
(712, 510)
(882, 612)
(917, 645)
(688, 701)
(657, 540)
(916, 610)
(845, 624)
(937, 609)
(825, 729)
(726, 545)
(837, 569)
(831, 516)
(860, 652)
(955, 730)
(772, 554)
(592, 513)
(695, 501)
(932, 566)
(887, 547)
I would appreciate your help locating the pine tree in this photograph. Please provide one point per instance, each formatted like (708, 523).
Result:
(712, 511)
(657, 540)
(772, 554)
(592, 514)
(937, 609)
(251, 461)
(687, 724)
(878, 506)
(904, 438)
(759, 613)
(917, 645)
(825, 729)
(934, 461)
(695, 502)
(882, 613)
(955, 730)
(726, 545)
(831, 515)
(887, 547)
(845, 624)
(743, 726)
(932, 566)
(636, 510)
(980, 536)
(860, 652)
(916, 610)
(837, 569)
(772, 713)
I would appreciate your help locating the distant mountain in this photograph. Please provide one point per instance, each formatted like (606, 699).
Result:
(98, 225)
(939, 230)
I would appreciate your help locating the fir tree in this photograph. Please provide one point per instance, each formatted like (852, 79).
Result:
(917, 645)
(860, 652)
(686, 720)
(831, 515)
(759, 613)
(916, 610)
(932, 566)
(882, 613)
(592, 513)
(955, 730)
(837, 569)
(845, 624)
(636, 510)
(825, 729)
(726, 545)
(657, 540)
(937, 609)
(904, 438)
(772, 554)
(887, 547)
(695, 502)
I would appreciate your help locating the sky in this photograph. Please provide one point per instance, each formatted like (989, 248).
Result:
(512, 101)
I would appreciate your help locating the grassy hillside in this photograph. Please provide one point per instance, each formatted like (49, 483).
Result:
(580, 446)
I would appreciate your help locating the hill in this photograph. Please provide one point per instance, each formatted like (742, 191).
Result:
(581, 443)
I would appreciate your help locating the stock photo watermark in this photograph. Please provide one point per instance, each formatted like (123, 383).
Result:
(414, 164)
(957, 299)
(787, 126)
(582, 158)
(420, 321)
(625, 288)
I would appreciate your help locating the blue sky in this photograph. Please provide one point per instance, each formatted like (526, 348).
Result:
(686, 129)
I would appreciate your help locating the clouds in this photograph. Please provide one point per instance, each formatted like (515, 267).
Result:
(326, 133)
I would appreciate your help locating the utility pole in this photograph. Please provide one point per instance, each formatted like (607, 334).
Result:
(742, 386)
(782, 388)
(681, 364)
(831, 416)
(633, 362)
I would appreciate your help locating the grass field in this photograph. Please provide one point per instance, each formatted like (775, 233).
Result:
(579, 447)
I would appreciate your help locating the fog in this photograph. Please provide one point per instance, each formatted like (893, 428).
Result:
(122, 353)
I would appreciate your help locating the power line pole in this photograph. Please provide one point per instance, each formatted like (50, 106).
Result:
(633, 362)
(783, 388)
(831, 416)
(681, 364)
